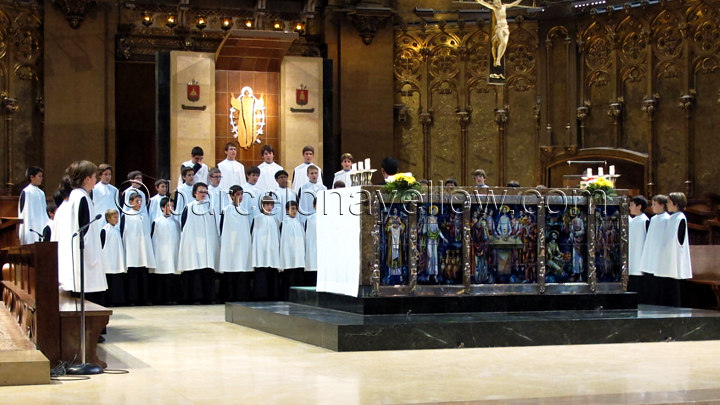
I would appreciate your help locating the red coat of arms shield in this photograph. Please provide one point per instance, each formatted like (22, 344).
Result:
(193, 91)
(301, 96)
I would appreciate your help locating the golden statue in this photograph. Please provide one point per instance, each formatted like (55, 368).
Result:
(501, 32)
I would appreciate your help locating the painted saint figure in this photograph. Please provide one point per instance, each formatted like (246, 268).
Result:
(501, 33)
(394, 228)
(433, 234)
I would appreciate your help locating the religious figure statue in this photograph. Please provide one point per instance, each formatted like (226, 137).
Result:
(433, 234)
(394, 228)
(501, 32)
(577, 233)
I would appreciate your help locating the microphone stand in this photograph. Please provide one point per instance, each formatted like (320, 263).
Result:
(83, 368)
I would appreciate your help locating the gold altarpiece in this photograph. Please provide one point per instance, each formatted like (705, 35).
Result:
(638, 86)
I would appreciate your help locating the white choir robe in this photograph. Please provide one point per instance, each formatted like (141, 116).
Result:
(308, 193)
(266, 241)
(61, 216)
(344, 176)
(48, 230)
(292, 244)
(266, 182)
(675, 256)
(105, 197)
(235, 241)
(113, 252)
(233, 173)
(311, 263)
(654, 243)
(198, 239)
(282, 196)
(251, 195)
(138, 246)
(147, 222)
(154, 211)
(183, 196)
(32, 209)
(300, 176)
(636, 240)
(218, 199)
(166, 242)
(69, 248)
(200, 175)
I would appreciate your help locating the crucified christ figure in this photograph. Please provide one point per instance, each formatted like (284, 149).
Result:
(502, 32)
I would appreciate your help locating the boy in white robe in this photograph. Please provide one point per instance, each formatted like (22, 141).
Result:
(235, 264)
(139, 254)
(251, 193)
(309, 191)
(104, 194)
(637, 229)
(675, 253)
(217, 197)
(200, 169)
(183, 193)
(136, 185)
(113, 259)
(346, 161)
(49, 225)
(32, 208)
(282, 194)
(311, 264)
(300, 173)
(165, 234)
(266, 251)
(266, 182)
(650, 258)
(198, 251)
(233, 172)
(292, 250)
(161, 191)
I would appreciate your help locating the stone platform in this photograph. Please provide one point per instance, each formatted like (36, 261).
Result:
(348, 331)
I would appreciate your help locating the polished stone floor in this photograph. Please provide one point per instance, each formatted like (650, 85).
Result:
(190, 355)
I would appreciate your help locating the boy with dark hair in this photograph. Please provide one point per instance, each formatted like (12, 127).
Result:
(105, 195)
(266, 251)
(292, 250)
(388, 167)
(162, 191)
(235, 264)
(309, 191)
(637, 229)
(480, 177)
(196, 163)
(675, 253)
(346, 161)
(652, 250)
(282, 194)
(183, 193)
(136, 185)
(139, 254)
(32, 207)
(216, 196)
(50, 224)
(233, 172)
(300, 173)
(113, 258)
(251, 193)
(266, 182)
(165, 236)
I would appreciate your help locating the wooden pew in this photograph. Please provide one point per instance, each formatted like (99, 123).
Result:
(705, 267)
(50, 318)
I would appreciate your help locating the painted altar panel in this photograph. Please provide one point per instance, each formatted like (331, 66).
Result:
(608, 260)
(566, 235)
(394, 245)
(440, 241)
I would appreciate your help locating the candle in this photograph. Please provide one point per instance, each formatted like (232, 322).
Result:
(367, 164)
(360, 166)
(600, 171)
(589, 172)
(353, 167)
(612, 170)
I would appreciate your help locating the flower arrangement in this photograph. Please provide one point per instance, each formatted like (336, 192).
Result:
(401, 182)
(596, 184)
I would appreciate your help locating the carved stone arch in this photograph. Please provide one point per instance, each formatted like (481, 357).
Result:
(407, 88)
(477, 45)
(634, 48)
(443, 56)
(666, 35)
(556, 32)
(704, 36)
(597, 47)
(478, 85)
(521, 59)
(407, 64)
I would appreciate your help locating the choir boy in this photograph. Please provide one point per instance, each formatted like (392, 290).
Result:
(200, 169)
(113, 259)
(166, 241)
(136, 185)
(346, 161)
(480, 177)
(183, 193)
(139, 254)
(300, 172)
(198, 248)
(32, 208)
(251, 192)
(105, 195)
(652, 250)
(309, 191)
(217, 197)
(233, 172)
(311, 264)
(266, 251)
(637, 229)
(292, 250)
(266, 182)
(235, 264)
(49, 225)
(161, 191)
(282, 194)
(675, 253)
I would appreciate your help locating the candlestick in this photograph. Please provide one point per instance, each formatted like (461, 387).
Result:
(367, 164)
(360, 166)
(600, 171)
(612, 170)
(589, 172)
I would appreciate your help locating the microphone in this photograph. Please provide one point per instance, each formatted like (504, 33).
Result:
(42, 238)
(84, 227)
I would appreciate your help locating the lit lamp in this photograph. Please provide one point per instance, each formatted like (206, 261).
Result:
(201, 22)
(278, 25)
(147, 19)
(171, 21)
(299, 26)
(226, 23)
(249, 23)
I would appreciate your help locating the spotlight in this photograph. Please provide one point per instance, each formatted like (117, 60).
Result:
(201, 22)
(299, 26)
(171, 21)
(278, 25)
(226, 23)
(249, 23)
(147, 19)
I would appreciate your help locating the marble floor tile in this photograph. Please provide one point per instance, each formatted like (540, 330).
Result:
(190, 355)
